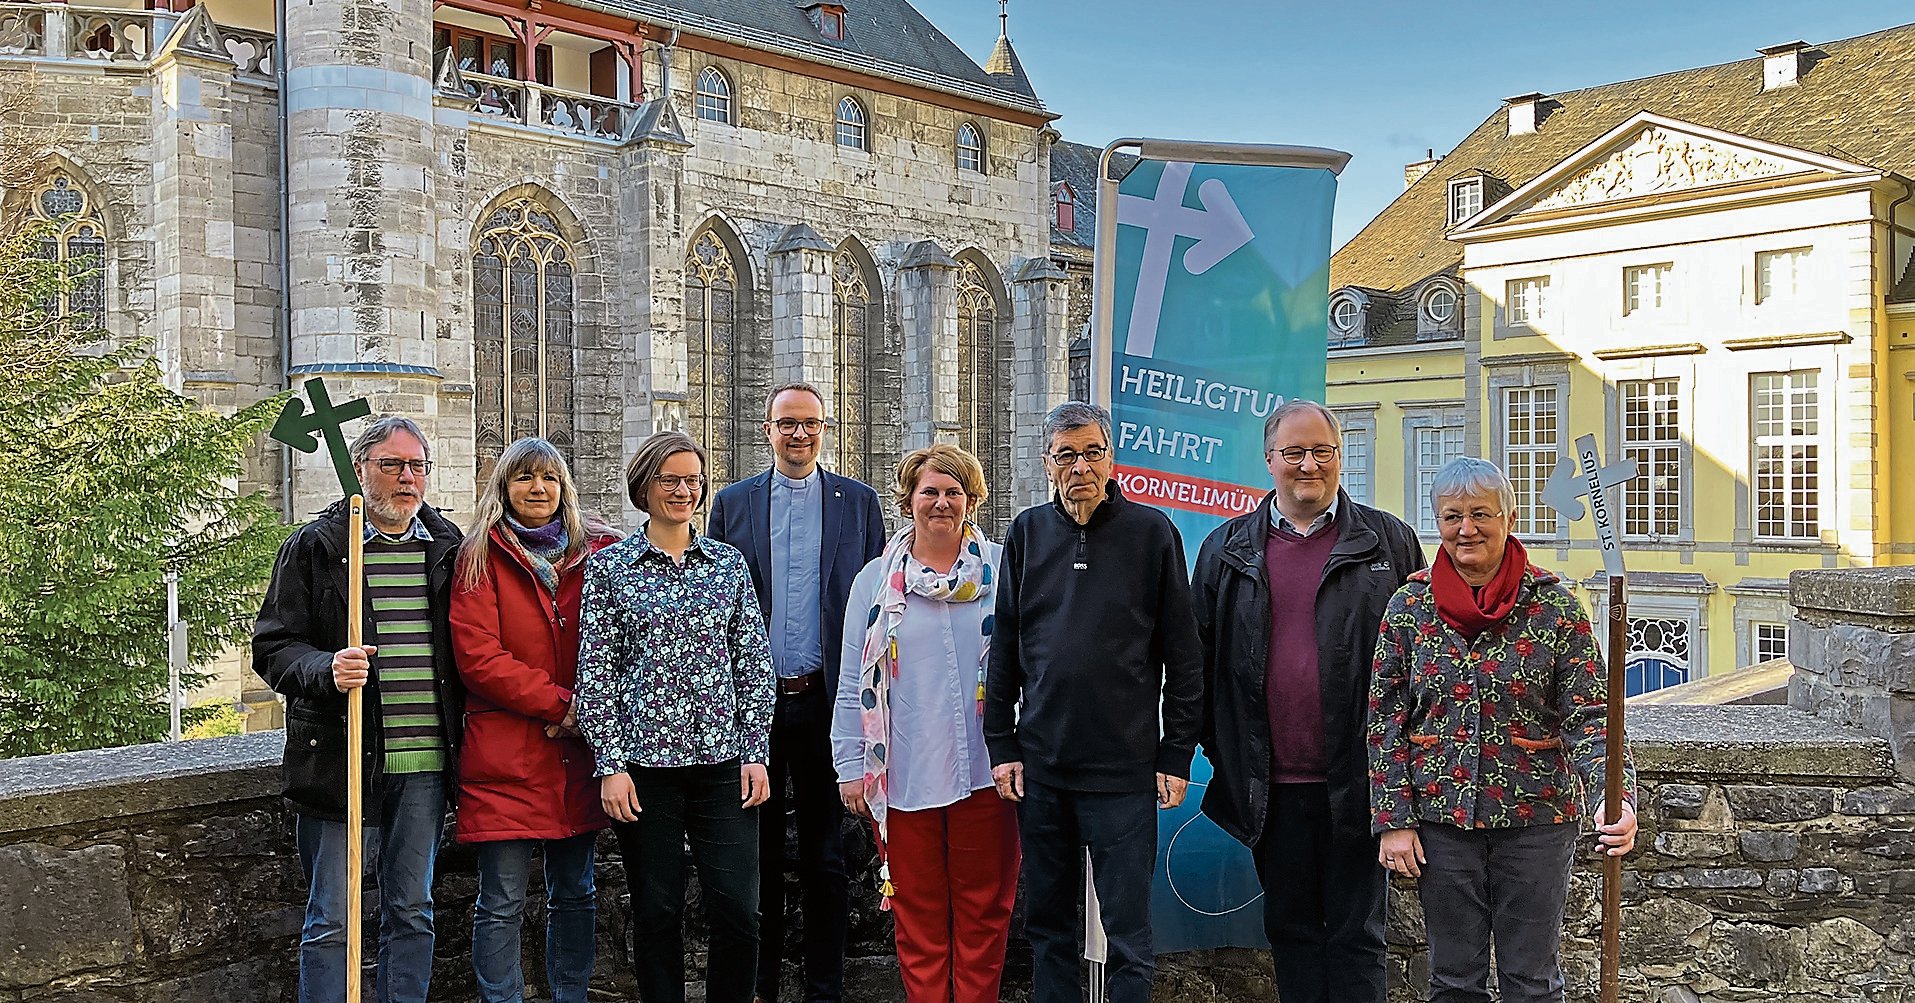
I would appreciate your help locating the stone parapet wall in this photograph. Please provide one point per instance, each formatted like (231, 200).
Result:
(1777, 862)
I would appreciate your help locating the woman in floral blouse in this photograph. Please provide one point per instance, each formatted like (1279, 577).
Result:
(1487, 739)
(675, 696)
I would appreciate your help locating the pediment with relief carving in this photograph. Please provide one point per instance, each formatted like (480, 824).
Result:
(1661, 160)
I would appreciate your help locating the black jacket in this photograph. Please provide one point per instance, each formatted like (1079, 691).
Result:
(302, 622)
(1093, 631)
(1374, 553)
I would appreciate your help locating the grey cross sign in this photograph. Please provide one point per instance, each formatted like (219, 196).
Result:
(1584, 474)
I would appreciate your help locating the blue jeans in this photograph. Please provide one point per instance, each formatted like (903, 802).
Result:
(401, 852)
(505, 870)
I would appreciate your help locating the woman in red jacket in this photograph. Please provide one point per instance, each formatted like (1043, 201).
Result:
(525, 775)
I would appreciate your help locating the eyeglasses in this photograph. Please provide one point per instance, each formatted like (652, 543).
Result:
(1452, 520)
(790, 426)
(391, 466)
(1064, 459)
(1293, 455)
(672, 482)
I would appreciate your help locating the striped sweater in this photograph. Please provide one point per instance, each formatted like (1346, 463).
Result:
(397, 593)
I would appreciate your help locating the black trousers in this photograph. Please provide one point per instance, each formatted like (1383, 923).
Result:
(801, 754)
(1508, 885)
(699, 806)
(1054, 826)
(1322, 901)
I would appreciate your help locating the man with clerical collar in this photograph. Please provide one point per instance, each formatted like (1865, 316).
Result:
(805, 533)
(413, 708)
(1289, 600)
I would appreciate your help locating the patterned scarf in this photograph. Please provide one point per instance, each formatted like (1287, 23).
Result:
(541, 547)
(969, 580)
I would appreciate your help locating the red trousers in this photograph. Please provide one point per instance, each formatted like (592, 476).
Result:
(954, 871)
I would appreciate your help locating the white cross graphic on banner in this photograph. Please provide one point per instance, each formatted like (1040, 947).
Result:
(1219, 228)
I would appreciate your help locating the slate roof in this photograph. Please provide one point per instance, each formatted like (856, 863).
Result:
(1005, 68)
(886, 36)
(1904, 291)
(1076, 164)
(1856, 102)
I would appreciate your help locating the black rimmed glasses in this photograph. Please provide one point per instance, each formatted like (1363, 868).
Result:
(390, 466)
(1293, 455)
(1064, 459)
(790, 426)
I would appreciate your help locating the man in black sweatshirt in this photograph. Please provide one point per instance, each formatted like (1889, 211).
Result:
(1094, 631)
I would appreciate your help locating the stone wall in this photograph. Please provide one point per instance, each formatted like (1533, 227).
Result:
(1777, 861)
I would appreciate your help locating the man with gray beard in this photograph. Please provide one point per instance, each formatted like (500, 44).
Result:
(412, 708)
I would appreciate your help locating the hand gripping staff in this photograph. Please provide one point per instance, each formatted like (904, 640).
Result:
(302, 431)
(1584, 474)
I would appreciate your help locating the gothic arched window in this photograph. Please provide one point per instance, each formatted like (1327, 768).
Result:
(855, 335)
(851, 130)
(712, 354)
(984, 377)
(73, 235)
(970, 148)
(522, 330)
(713, 103)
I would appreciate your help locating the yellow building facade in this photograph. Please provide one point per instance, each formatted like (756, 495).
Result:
(1707, 270)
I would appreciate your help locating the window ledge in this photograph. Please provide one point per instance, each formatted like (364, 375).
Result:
(1787, 340)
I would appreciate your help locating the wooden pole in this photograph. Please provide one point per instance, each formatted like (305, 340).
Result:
(1612, 786)
(355, 745)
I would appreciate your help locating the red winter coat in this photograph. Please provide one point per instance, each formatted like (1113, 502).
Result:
(518, 656)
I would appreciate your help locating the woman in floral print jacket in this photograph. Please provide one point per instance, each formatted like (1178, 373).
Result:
(675, 695)
(1487, 736)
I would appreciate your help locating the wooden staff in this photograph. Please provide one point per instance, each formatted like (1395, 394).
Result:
(355, 745)
(1612, 797)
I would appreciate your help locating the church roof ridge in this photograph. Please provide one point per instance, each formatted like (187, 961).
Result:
(1850, 102)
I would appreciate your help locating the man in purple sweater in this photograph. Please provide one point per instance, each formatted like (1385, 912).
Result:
(1288, 601)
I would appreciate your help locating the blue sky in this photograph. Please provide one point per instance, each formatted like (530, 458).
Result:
(1385, 81)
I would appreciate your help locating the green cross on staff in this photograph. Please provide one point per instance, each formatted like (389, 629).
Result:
(301, 430)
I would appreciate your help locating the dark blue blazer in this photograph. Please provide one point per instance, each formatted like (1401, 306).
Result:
(853, 537)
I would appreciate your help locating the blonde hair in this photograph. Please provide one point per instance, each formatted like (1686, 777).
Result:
(528, 455)
(955, 462)
(651, 455)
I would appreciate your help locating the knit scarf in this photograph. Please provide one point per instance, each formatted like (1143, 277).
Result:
(969, 580)
(542, 548)
(1472, 611)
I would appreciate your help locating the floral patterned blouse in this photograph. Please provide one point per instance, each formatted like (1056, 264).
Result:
(673, 665)
(1507, 730)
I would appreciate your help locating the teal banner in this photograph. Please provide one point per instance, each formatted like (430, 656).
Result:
(1218, 283)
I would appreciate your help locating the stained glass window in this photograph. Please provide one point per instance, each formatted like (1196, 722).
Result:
(711, 352)
(983, 398)
(523, 344)
(75, 236)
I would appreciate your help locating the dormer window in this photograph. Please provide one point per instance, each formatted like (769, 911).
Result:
(1347, 309)
(1065, 202)
(1466, 199)
(828, 18)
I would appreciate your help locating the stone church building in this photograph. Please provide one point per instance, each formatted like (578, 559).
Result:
(585, 220)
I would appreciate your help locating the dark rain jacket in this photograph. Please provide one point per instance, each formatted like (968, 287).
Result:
(1374, 553)
(302, 622)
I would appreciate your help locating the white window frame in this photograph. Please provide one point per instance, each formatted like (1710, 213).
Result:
(1526, 300)
(1761, 633)
(853, 132)
(1465, 198)
(713, 105)
(1757, 601)
(1359, 423)
(1537, 522)
(1350, 329)
(975, 161)
(1445, 427)
(1807, 496)
(1661, 453)
(1775, 284)
(1645, 288)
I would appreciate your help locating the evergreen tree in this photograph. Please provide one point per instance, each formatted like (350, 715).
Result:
(108, 480)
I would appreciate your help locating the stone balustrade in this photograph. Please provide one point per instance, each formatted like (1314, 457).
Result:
(255, 53)
(118, 37)
(550, 109)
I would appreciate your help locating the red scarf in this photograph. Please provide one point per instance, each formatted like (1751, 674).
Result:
(1471, 611)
